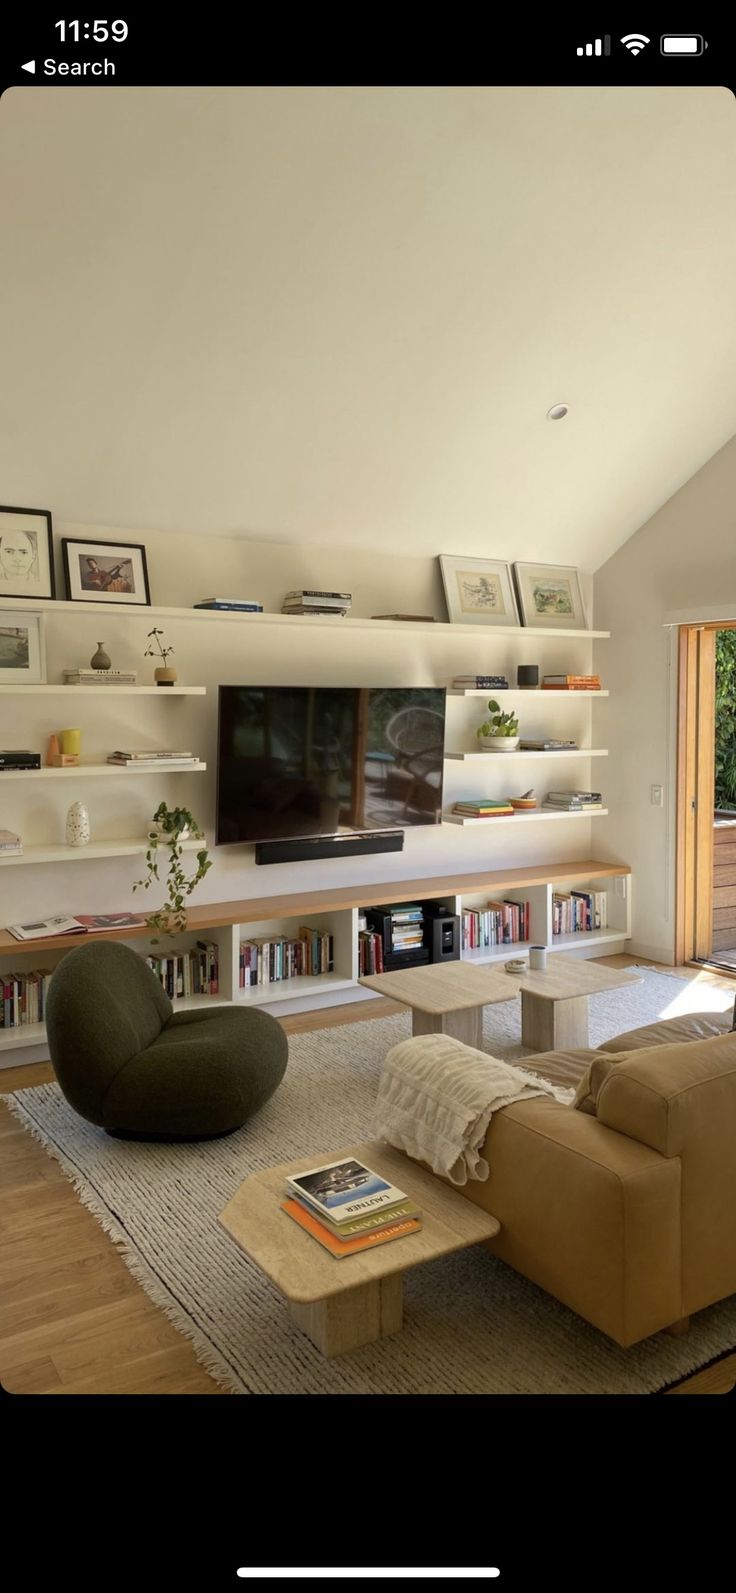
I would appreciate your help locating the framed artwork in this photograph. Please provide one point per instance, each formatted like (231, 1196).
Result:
(26, 553)
(22, 653)
(478, 591)
(105, 572)
(550, 596)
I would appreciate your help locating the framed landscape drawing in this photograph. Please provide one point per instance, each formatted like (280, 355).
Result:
(26, 553)
(105, 572)
(478, 591)
(22, 657)
(550, 596)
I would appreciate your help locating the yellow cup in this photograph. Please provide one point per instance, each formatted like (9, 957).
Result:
(71, 742)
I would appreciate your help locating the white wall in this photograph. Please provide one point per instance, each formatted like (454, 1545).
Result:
(208, 652)
(683, 559)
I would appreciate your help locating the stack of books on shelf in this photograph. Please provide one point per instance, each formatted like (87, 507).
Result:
(233, 605)
(573, 801)
(547, 744)
(100, 677)
(23, 998)
(11, 844)
(191, 973)
(400, 927)
(575, 912)
(498, 924)
(154, 758)
(347, 1207)
(313, 602)
(480, 683)
(571, 683)
(265, 960)
(483, 808)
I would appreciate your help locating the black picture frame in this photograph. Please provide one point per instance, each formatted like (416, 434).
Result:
(74, 591)
(36, 590)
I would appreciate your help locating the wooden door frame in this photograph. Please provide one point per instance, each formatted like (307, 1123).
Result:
(695, 790)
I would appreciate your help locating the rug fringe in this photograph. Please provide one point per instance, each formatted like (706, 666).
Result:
(149, 1281)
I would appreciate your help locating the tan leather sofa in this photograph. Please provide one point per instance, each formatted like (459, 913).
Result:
(626, 1210)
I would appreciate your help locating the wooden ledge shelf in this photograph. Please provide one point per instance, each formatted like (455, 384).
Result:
(519, 691)
(259, 909)
(497, 757)
(103, 691)
(342, 624)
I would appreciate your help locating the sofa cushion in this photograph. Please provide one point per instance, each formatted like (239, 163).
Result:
(671, 1031)
(597, 1071)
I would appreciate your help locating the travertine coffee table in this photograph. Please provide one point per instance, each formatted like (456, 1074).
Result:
(554, 1001)
(344, 1303)
(447, 997)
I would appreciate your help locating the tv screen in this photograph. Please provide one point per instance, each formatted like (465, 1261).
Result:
(316, 760)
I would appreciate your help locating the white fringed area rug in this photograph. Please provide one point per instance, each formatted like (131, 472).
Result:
(472, 1325)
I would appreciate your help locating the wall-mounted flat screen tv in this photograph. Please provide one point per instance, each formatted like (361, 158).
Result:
(318, 760)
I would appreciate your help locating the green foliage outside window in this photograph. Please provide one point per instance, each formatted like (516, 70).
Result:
(725, 794)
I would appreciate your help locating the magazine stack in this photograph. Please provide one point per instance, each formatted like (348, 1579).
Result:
(348, 1208)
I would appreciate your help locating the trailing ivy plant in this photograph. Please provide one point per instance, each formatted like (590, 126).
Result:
(175, 824)
(725, 792)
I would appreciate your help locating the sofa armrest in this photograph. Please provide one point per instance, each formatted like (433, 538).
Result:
(590, 1215)
(665, 1096)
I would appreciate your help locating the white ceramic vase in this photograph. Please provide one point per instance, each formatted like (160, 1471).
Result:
(77, 825)
(499, 743)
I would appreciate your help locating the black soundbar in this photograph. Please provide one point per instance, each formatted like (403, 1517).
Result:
(310, 848)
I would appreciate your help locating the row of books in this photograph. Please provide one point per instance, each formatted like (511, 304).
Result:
(498, 924)
(306, 601)
(347, 1207)
(191, 973)
(571, 683)
(266, 960)
(577, 911)
(370, 952)
(23, 998)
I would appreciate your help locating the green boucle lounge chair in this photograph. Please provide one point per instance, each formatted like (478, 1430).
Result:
(126, 1061)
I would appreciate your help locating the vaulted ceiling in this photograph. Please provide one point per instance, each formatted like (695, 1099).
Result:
(340, 315)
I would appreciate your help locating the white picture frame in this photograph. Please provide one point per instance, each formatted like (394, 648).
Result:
(478, 591)
(550, 596)
(22, 648)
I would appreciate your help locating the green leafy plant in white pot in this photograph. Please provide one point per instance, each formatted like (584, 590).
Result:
(500, 732)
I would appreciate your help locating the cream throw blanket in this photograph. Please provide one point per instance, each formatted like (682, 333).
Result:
(436, 1098)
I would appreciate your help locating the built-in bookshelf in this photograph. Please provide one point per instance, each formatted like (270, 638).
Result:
(336, 913)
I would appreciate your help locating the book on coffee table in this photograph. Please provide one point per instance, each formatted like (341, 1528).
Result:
(344, 1190)
(347, 1247)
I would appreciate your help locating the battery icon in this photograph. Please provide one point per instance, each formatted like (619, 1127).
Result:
(682, 44)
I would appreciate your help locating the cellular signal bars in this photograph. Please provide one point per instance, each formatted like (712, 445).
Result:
(598, 47)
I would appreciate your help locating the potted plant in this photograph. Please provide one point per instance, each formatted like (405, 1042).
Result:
(170, 828)
(164, 674)
(500, 733)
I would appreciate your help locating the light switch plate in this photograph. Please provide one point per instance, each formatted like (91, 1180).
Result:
(657, 796)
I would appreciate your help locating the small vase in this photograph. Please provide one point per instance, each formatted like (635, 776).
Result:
(53, 751)
(100, 659)
(164, 677)
(77, 825)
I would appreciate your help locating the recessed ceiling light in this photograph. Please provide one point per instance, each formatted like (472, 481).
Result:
(557, 412)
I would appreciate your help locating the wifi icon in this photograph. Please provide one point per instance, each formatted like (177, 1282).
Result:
(635, 42)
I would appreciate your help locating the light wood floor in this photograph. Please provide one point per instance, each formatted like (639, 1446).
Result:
(73, 1320)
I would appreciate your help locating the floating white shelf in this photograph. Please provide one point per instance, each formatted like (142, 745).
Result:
(522, 818)
(498, 757)
(85, 854)
(518, 691)
(103, 691)
(339, 622)
(586, 937)
(77, 771)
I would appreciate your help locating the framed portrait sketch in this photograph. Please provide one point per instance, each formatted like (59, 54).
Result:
(26, 553)
(478, 591)
(22, 654)
(550, 596)
(105, 572)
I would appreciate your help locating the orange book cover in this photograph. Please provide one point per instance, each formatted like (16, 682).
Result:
(346, 1247)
